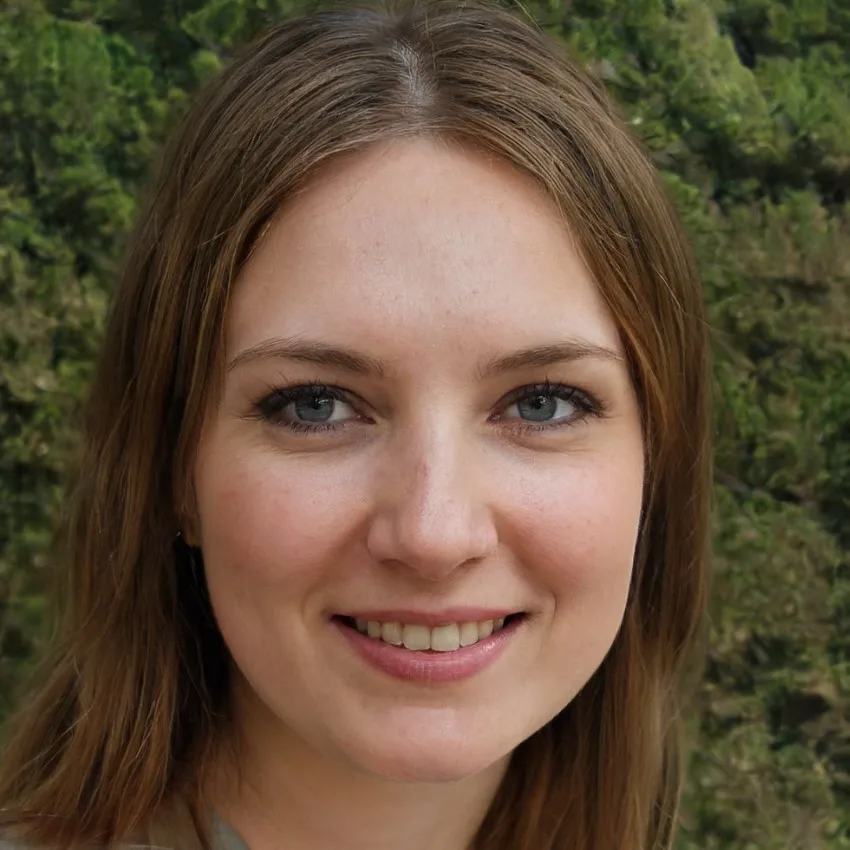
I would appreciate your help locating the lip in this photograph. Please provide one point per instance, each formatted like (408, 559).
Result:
(430, 618)
(429, 667)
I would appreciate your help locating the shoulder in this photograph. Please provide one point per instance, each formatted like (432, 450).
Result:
(15, 845)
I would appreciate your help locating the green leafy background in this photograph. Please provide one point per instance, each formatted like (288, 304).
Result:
(745, 105)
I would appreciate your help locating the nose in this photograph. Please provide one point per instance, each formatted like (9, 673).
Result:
(433, 515)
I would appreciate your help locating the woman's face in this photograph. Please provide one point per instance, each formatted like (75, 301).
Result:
(427, 432)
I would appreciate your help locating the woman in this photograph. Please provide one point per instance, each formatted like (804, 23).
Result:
(391, 524)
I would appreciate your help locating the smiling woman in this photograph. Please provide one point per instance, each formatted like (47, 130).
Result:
(391, 531)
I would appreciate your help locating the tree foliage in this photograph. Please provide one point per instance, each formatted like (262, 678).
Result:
(745, 105)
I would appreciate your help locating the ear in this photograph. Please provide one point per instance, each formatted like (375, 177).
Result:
(189, 534)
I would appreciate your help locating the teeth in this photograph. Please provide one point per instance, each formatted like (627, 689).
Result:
(391, 633)
(416, 637)
(468, 634)
(446, 638)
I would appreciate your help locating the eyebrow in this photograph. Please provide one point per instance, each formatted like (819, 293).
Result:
(309, 351)
(566, 351)
(322, 354)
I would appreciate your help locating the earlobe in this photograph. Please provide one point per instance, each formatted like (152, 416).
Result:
(187, 532)
(187, 538)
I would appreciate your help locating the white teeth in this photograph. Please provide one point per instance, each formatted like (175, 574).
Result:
(391, 633)
(416, 637)
(468, 634)
(447, 638)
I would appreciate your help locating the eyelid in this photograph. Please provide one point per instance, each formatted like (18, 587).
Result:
(570, 392)
(268, 407)
(287, 394)
(278, 397)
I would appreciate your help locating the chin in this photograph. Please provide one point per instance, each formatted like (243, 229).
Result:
(426, 761)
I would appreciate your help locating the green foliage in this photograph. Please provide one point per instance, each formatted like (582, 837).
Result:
(745, 106)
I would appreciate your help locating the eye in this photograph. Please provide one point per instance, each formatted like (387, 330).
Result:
(549, 406)
(303, 408)
(317, 408)
(543, 408)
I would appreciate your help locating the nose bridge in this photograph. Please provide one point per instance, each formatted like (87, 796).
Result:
(433, 515)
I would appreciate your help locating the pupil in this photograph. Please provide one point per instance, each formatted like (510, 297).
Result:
(538, 408)
(315, 408)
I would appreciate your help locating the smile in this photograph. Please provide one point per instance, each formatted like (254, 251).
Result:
(418, 638)
(430, 655)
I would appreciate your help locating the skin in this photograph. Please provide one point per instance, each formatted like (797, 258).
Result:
(432, 490)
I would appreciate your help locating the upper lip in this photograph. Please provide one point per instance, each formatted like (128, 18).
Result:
(429, 618)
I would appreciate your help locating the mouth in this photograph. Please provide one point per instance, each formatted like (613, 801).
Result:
(420, 638)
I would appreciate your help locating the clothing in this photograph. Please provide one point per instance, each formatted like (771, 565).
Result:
(224, 838)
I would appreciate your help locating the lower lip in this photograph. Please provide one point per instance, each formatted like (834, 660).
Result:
(430, 667)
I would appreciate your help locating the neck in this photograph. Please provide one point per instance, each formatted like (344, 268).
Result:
(277, 791)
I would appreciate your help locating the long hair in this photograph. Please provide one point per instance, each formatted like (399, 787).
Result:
(135, 693)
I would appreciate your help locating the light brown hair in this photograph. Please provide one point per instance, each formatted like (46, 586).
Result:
(136, 690)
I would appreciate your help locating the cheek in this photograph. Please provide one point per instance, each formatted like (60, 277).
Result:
(579, 550)
(263, 520)
(580, 534)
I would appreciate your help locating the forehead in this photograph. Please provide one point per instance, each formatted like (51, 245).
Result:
(419, 244)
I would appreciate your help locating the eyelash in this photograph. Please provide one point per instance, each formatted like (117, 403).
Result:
(278, 398)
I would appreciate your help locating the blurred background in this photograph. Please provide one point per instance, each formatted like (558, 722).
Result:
(745, 105)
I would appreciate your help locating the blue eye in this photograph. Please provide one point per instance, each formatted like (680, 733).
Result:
(543, 408)
(549, 406)
(307, 408)
(316, 408)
